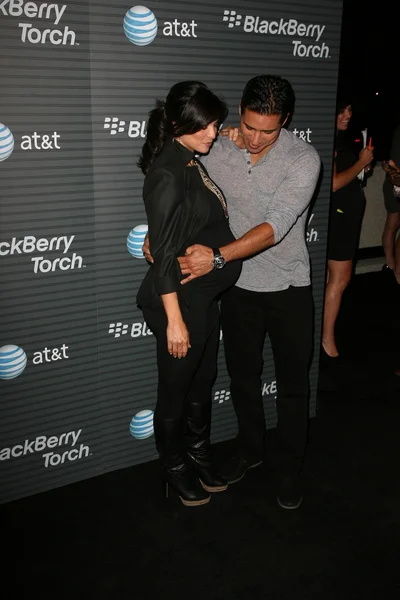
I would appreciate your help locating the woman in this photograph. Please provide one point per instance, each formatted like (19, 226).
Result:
(346, 213)
(184, 207)
(391, 245)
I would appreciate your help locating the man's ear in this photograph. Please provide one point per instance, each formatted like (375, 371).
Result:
(240, 110)
(286, 118)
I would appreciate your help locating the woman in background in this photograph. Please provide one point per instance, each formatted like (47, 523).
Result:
(391, 193)
(346, 213)
(184, 207)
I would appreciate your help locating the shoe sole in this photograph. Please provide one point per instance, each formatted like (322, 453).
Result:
(220, 488)
(195, 502)
(286, 507)
(248, 468)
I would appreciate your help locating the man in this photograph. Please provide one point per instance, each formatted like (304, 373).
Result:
(268, 176)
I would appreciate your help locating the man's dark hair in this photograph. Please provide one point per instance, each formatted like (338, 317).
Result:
(268, 95)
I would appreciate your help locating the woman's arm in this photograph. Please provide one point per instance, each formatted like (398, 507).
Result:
(163, 195)
(177, 333)
(340, 180)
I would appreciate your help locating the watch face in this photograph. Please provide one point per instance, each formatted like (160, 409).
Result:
(219, 262)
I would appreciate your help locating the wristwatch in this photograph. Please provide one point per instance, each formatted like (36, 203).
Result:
(218, 262)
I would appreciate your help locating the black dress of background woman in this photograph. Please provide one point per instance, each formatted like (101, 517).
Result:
(183, 208)
(346, 214)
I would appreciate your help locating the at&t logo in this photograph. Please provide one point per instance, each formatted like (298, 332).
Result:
(38, 141)
(134, 128)
(141, 425)
(135, 241)
(6, 142)
(33, 10)
(12, 361)
(141, 27)
(33, 141)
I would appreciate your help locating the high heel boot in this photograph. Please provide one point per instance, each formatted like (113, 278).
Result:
(176, 473)
(198, 446)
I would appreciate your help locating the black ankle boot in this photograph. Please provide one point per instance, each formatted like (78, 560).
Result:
(185, 483)
(198, 446)
(175, 472)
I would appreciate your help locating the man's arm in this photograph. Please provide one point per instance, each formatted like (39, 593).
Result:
(198, 259)
(290, 200)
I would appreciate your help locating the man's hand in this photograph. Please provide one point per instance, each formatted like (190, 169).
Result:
(231, 132)
(196, 262)
(146, 249)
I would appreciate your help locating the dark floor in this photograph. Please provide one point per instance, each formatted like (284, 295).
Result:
(116, 537)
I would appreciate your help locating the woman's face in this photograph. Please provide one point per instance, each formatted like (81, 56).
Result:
(202, 140)
(343, 118)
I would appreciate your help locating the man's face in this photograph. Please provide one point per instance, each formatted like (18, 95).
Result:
(259, 131)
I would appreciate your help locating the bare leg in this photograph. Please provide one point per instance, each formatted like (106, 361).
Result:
(339, 276)
(397, 252)
(390, 229)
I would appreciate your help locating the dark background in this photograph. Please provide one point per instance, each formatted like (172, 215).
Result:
(369, 64)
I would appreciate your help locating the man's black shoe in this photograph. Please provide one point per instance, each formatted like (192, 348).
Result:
(290, 494)
(237, 468)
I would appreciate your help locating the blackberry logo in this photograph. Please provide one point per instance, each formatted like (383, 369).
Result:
(232, 17)
(137, 329)
(222, 396)
(134, 129)
(114, 125)
(118, 329)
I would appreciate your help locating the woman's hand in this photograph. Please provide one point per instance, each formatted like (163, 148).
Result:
(146, 249)
(178, 338)
(392, 170)
(366, 156)
(231, 132)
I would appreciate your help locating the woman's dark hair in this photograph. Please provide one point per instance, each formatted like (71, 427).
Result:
(343, 99)
(189, 107)
(268, 95)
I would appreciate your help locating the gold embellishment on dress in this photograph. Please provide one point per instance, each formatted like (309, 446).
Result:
(210, 185)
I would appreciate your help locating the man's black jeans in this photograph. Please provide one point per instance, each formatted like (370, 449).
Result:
(287, 317)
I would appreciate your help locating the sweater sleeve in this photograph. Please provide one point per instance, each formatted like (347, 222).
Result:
(294, 194)
(163, 196)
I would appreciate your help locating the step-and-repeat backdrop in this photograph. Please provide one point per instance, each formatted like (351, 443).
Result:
(77, 362)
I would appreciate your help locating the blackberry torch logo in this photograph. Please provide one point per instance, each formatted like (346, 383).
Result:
(50, 447)
(6, 142)
(282, 27)
(39, 11)
(30, 244)
(141, 27)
